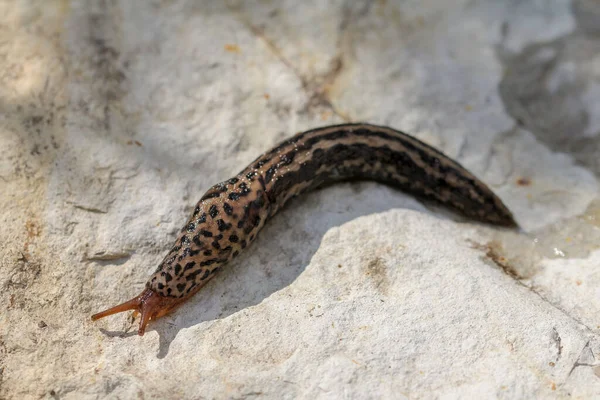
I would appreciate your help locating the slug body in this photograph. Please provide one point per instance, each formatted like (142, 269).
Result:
(229, 216)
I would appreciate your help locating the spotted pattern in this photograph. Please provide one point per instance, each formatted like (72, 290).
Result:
(230, 215)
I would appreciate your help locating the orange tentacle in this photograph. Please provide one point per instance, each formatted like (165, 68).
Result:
(149, 304)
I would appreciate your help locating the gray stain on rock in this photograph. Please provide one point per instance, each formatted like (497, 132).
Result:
(544, 87)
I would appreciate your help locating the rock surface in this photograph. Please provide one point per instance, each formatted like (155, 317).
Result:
(115, 117)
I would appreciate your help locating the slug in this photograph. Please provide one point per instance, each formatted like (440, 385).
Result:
(229, 216)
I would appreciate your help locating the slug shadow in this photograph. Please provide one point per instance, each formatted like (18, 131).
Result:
(280, 254)
(119, 334)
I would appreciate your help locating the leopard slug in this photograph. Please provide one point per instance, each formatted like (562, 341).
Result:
(229, 216)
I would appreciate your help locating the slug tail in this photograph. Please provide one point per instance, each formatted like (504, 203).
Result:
(149, 304)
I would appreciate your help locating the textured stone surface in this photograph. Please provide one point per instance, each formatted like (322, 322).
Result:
(115, 117)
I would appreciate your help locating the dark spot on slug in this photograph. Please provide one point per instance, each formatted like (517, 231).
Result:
(181, 287)
(206, 274)
(212, 211)
(261, 163)
(202, 219)
(197, 241)
(192, 277)
(177, 269)
(222, 225)
(208, 262)
(227, 208)
(243, 189)
(185, 254)
(235, 253)
(234, 238)
(160, 286)
(234, 196)
(215, 191)
(258, 203)
(243, 244)
(286, 159)
(251, 174)
(210, 195)
(206, 233)
(216, 245)
(233, 181)
(185, 241)
(189, 265)
(207, 252)
(269, 175)
(168, 277)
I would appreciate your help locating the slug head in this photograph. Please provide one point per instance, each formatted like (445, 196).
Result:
(149, 304)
